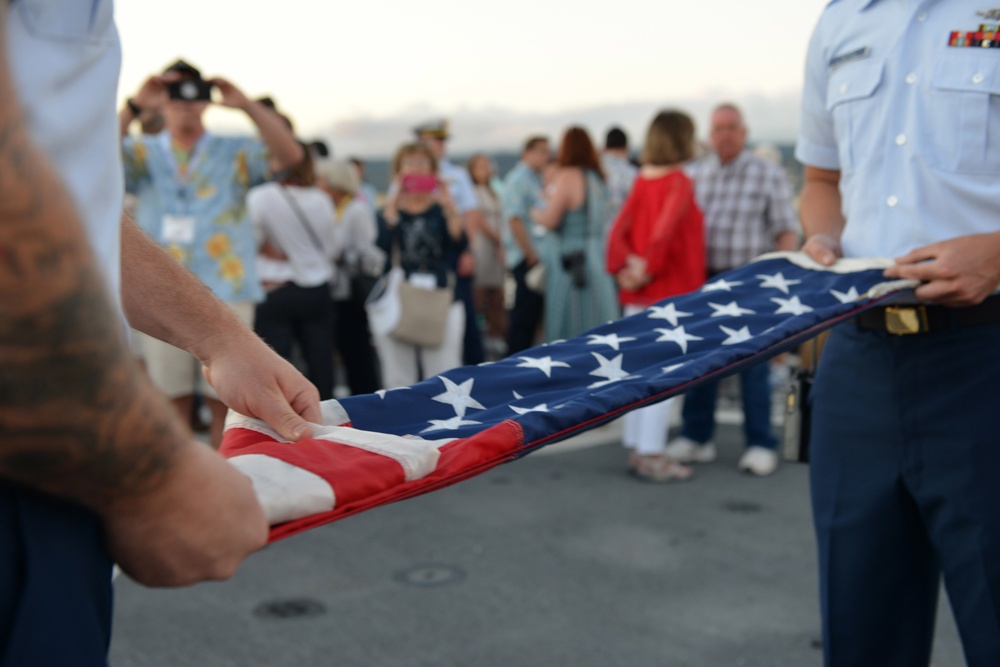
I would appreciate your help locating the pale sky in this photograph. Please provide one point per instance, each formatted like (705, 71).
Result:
(350, 70)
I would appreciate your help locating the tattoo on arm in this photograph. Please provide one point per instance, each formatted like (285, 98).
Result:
(77, 418)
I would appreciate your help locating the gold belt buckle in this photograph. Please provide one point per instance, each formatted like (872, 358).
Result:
(905, 320)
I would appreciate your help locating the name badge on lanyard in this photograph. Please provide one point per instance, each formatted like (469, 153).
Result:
(423, 280)
(178, 229)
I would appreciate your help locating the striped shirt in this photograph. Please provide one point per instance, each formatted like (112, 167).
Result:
(747, 204)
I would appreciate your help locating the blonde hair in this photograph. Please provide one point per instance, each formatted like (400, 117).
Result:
(669, 140)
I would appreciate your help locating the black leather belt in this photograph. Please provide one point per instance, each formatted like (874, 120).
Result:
(918, 319)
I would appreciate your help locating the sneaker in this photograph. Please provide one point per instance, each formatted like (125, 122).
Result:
(686, 450)
(759, 461)
(657, 468)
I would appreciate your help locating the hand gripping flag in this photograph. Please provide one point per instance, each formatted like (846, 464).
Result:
(391, 445)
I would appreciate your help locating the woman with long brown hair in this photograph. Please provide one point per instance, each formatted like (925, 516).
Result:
(579, 293)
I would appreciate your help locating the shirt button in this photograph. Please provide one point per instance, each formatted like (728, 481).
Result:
(900, 139)
(843, 88)
(891, 201)
(977, 77)
(911, 78)
(922, 16)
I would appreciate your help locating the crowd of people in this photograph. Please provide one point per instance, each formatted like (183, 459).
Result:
(268, 232)
(569, 239)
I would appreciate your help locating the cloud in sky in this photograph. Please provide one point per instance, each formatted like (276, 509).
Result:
(770, 118)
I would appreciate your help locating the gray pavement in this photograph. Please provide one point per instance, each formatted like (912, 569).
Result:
(557, 559)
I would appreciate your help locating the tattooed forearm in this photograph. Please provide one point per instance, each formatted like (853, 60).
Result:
(21, 199)
(77, 418)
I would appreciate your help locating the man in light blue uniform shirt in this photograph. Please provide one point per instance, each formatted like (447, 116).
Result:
(900, 137)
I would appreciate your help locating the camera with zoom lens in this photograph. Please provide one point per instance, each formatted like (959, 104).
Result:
(190, 90)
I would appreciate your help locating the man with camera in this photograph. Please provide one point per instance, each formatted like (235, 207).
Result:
(190, 188)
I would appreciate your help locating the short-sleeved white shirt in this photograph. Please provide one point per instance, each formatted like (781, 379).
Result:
(276, 220)
(64, 57)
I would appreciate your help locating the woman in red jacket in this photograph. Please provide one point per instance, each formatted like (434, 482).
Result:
(656, 249)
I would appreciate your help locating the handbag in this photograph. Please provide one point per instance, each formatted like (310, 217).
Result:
(382, 305)
(795, 432)
(409, 313)
(423, 314)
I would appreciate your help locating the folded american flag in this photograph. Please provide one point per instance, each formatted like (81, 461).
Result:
(379, 448)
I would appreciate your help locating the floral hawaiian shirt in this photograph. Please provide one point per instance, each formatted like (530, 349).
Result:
(195, 205)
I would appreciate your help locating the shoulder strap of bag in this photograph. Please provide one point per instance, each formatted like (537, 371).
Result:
(588, 208)
(302, 219)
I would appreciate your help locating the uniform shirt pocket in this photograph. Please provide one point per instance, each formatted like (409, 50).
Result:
(72, 21)
(964, 123)
(850, 99)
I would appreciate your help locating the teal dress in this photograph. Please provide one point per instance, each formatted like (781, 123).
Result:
(570, 307)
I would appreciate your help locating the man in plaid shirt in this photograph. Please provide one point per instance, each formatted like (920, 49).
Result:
(747, 203)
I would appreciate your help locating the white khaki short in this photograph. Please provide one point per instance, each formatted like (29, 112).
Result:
(175, 372)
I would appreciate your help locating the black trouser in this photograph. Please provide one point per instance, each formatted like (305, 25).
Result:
(355, 346)
(303, 315)
(472, 343)
(526, 314)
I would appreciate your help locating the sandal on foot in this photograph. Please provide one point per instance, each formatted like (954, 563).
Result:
(658, 469)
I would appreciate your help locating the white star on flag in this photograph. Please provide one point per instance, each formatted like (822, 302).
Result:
(668, 312)
(611, 340)
(382, 392)
(731, 309)
(671, 369)
(542, 407)
(791, 306)
(459, 396)
(777, 281)
(448, 424)
(720, 285)
(544, 364)
(611, 370)
(736, 336)
(678, 336)
(850, 296)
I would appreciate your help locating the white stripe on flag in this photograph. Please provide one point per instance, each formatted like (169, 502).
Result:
(286, 492)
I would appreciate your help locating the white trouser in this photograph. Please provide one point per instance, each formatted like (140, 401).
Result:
(399, 359)
(645, 430)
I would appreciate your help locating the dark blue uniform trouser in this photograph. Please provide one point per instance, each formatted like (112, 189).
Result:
(905, 479)
(55, 583)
